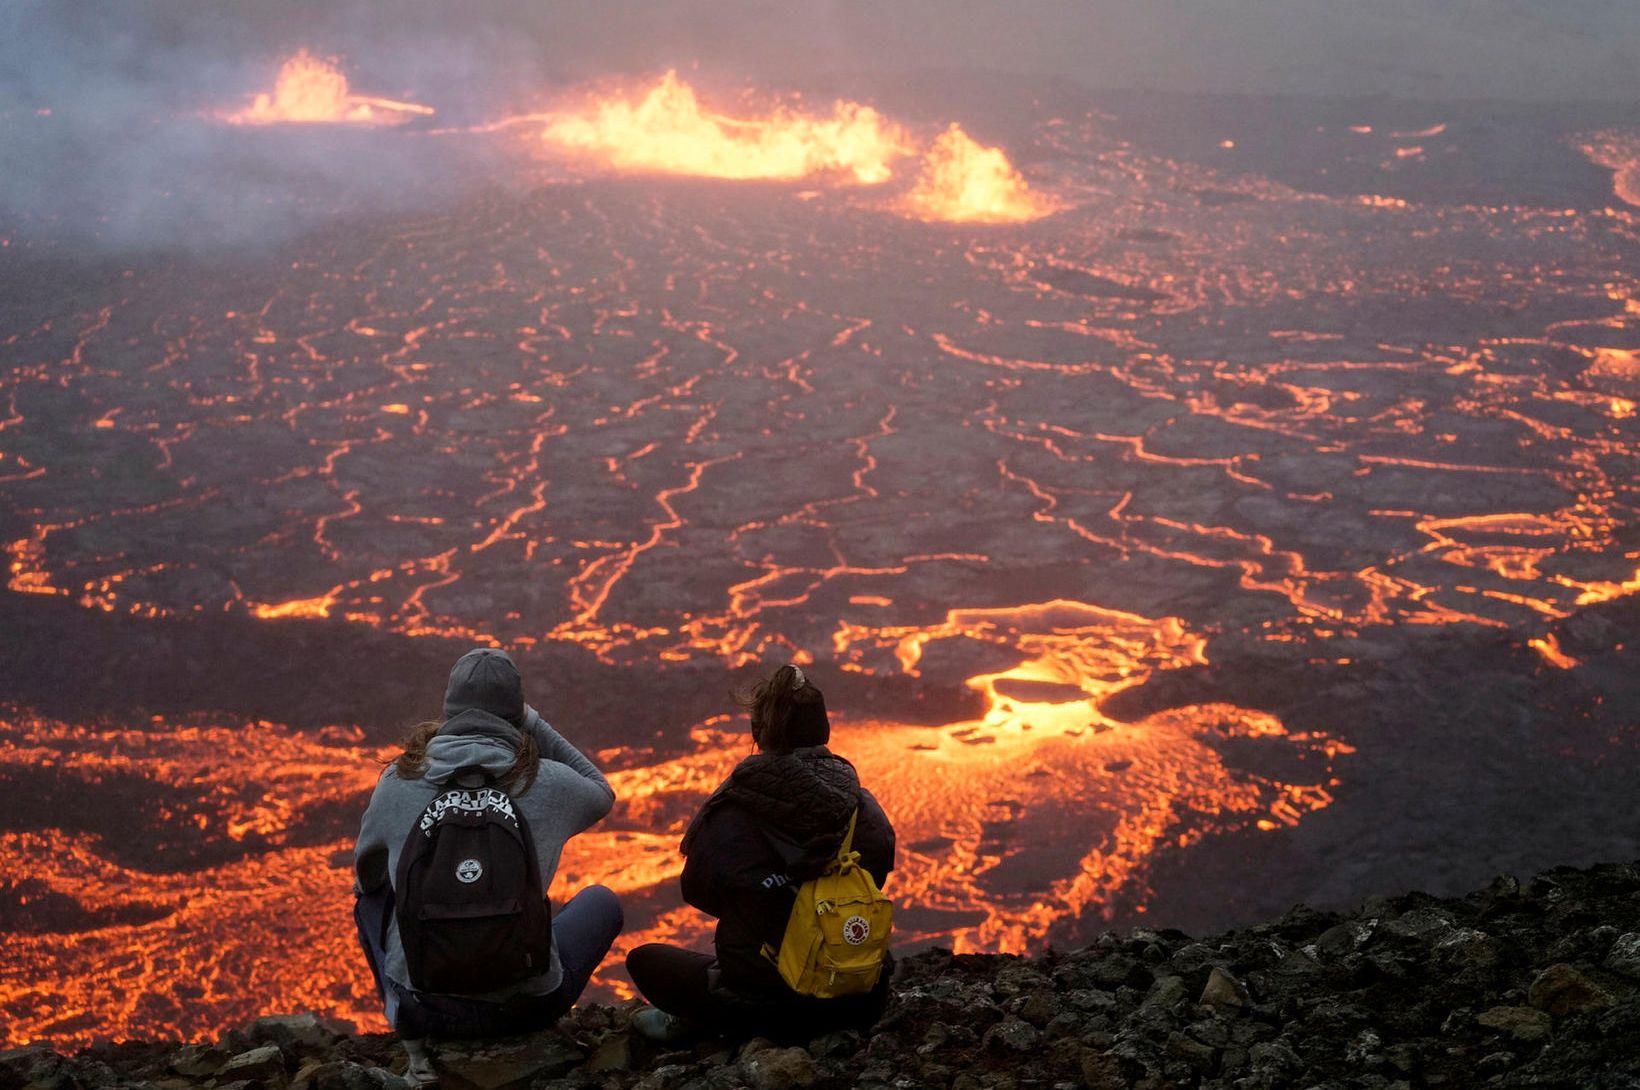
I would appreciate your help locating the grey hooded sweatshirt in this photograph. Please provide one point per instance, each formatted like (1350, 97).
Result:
(569, 795)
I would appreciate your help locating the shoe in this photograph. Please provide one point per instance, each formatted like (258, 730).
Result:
(656, 1025)
(420, 1072)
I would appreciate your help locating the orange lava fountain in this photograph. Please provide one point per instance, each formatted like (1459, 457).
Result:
(668, 131)
(965, 181)
(313, 90)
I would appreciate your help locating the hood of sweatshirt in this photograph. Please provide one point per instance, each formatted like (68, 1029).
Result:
(473, 739)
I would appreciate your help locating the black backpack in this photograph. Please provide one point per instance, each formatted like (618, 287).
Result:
(472, 914)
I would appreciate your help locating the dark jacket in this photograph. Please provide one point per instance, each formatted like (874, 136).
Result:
(772, 825)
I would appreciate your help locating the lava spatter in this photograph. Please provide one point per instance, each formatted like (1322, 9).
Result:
(664, 128)
(312, 90)
(964, 181)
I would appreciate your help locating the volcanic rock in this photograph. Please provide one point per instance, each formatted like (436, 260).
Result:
(1010, 1035)
(613, 1054)
(1419, 924)
(347, 1075)
(198, 1061)
(37, 1065)
(1625, 956)
(1524, 1024)
(507, 1064)
(1167, 993)
(264, 1066)
(1223, 990)
(293, 1034)
(1199, 1056)
(781, 1069)
(1561, 989)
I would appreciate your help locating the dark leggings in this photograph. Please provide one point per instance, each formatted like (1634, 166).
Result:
(582, 929)
(685, 984)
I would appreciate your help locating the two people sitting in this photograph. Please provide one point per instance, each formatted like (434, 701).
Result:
(463, 834)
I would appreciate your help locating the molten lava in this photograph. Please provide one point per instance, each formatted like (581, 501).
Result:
(313, 90)
(1619, 152)
(668, 131)
(1549, 647)
(1040, 811)
(1005, 488)
(105, 900)
(965, 181)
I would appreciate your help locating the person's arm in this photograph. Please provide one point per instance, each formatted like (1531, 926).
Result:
(728, 860)
(874, 838)
(370, 853)
(555, 747)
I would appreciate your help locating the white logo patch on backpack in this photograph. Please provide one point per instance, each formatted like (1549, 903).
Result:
(469, 870)
(856, 929)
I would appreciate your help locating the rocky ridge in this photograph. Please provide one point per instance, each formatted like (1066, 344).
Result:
(1533, 984)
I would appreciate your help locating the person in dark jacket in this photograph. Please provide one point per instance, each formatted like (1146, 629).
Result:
(776, 822)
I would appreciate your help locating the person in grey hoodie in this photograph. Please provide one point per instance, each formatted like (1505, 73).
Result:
(488, 734)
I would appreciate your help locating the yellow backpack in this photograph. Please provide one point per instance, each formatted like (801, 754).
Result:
(836, 939)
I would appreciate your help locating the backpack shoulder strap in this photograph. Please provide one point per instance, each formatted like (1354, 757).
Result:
(848, 837)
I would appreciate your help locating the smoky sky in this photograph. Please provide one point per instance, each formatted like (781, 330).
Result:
(1577, 49)
(125, 148)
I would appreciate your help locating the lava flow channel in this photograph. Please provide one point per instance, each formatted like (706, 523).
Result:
(577, 401)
